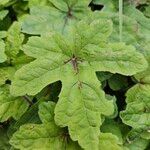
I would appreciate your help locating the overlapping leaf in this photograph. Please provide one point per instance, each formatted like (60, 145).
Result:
(138, 144)
(4, 140)
(14, 40)
(10, 106)
(70, 59)
(109, 141)
(6, 73)
(137, 113)
(43, 136)
(58, 17)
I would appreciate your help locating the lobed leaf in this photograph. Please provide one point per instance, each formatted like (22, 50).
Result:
(58, 17)
(137, 112)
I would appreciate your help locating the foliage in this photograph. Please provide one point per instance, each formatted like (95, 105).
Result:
(74, 75)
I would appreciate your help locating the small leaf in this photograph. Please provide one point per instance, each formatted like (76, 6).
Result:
(3, 13)
(137, 112)
(6, 73)
(11, 106)
(118, 82)
(14, 40)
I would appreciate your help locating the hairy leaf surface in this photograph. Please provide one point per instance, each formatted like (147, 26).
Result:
(70, 59)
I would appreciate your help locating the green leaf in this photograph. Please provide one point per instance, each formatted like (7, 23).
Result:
(46, 112)
(43, 136)
(80, 109)
(110, 126)
(118, 82)
(11, 106)
(138, 144)
(103, 76)
(5, 3)
(3, 34)
(143, 22)
(70, 58)
(147, 11)
(32, 3)
(108, 141)
(3, 56)
(136, 133)
(58, 17)
(4, 140)
(35, 72)
(30, 116)
(3, 13)
(144, 77)
(115, 58)
(6, 73)
(108, 5)
(14, 40)
(137, 112)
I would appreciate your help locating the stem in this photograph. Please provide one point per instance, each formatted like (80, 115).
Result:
(28, 100)
(74, 62)
(120, 19)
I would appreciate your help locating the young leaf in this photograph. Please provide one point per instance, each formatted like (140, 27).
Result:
(10, 106)
(14, 40)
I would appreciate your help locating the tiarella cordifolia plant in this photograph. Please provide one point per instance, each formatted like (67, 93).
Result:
(74, 75)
